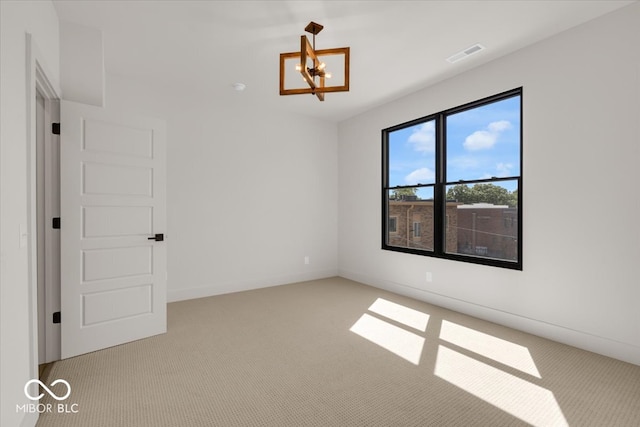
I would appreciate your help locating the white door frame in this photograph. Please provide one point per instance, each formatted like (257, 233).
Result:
(39, 78)
(50, 208)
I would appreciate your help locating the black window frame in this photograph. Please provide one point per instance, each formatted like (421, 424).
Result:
(440, 186)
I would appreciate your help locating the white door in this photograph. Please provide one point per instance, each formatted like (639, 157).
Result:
(112, 182)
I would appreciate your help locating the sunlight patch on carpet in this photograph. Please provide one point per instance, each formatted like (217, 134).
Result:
(516, 396)
(401, 314)
(390, 337)
(503, 351)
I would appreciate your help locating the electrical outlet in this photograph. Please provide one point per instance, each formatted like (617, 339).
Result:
(429, 277)
(306, 260)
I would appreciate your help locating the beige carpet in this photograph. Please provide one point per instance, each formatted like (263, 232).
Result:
(334, 352)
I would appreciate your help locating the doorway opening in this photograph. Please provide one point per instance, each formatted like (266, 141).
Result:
(47, 207)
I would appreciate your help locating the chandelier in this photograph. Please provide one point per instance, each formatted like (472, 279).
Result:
(310, 63)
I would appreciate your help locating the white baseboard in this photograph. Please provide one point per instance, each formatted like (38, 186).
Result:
(597, 344)
(208, 290)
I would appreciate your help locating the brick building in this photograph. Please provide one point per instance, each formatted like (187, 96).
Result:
(488, 230)
(411, 223)
(475, 229)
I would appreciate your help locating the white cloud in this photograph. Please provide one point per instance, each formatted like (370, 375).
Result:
(499, 126)
(504, 169)
(420, 176)
(486, 139)
(424, 138)
(480, 140)
(464, 162)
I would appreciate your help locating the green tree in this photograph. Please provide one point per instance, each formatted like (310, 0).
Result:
(399, 192)
(514, 198)
(461, 193)
(483, 193)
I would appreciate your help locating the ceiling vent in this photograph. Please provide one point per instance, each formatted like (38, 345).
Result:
(465, 53)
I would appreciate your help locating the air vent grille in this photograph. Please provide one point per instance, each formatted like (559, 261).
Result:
(465, 53)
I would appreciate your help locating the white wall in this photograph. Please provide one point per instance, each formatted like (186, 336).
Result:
(250, 192)
(16, 18)
(82, 64)
(581, 200)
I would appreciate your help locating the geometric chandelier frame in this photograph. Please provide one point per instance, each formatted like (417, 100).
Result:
(309, 63)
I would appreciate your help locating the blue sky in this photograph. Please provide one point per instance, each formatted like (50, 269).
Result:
(481, 143)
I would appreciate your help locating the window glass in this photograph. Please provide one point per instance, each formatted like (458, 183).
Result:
(484, 142)
(412, 209)
(485, 220)
(412, 155)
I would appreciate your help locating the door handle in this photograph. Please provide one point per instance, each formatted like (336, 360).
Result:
(158, 237)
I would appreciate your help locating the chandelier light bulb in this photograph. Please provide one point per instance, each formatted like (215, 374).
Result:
(298, 67)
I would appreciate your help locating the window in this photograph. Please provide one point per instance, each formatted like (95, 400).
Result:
(393, 224)
(452, 183)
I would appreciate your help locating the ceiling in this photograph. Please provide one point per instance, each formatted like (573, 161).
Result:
(193, 51)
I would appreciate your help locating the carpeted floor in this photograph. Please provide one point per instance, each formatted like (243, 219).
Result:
(333, 352)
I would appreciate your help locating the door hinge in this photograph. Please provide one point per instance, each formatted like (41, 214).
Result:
(56, 317)
(55, 223)
(55, 128)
